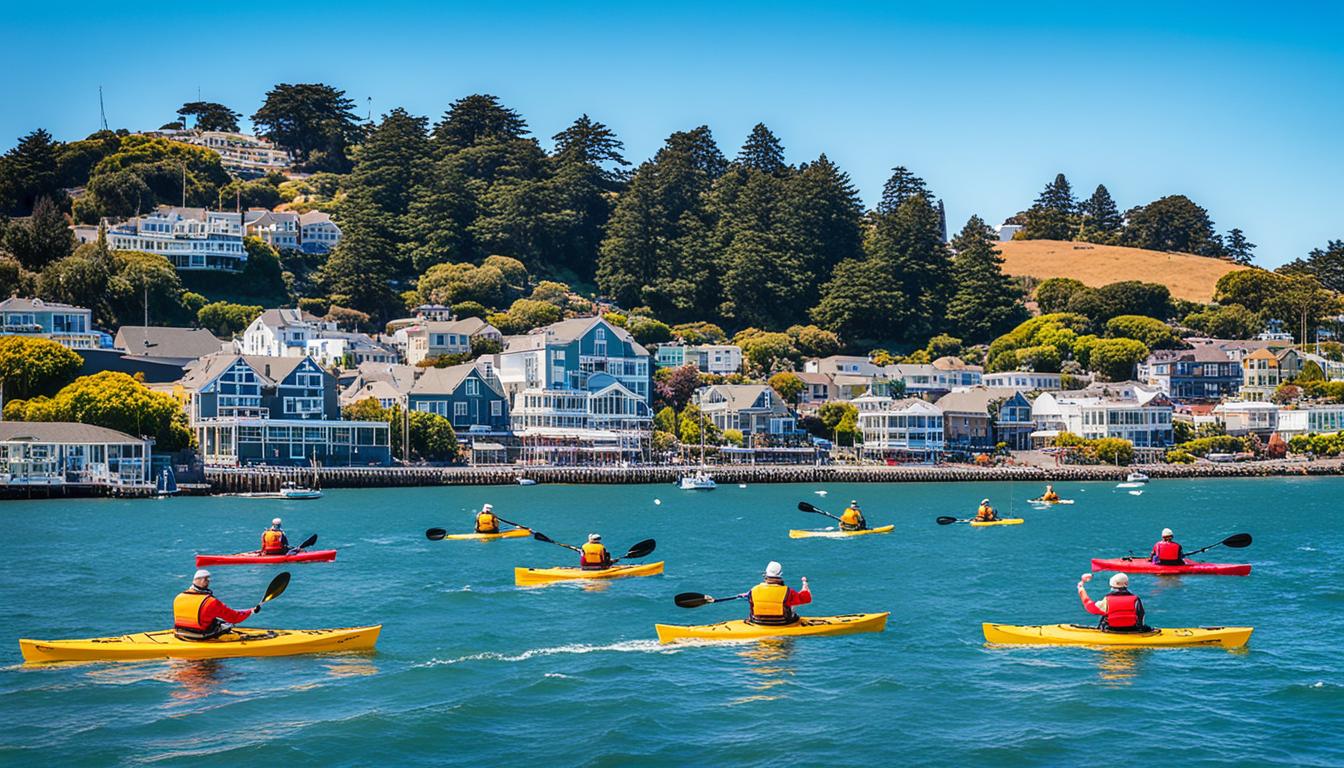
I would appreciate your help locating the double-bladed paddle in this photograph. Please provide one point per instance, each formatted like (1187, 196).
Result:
(950, 520)
(276, 588)
(308, 542)
(640, 549)
(695, 599)
(803, 506)
(437, 534)
(1235, 541)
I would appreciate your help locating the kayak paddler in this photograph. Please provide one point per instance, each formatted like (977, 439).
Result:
(199, 615)
(772, 600)
(986, 513)
(1167, 551)
(852, 518)
(486, 522)
(1120, 610)
(273, 539)
(593, 556)
(1049, 494)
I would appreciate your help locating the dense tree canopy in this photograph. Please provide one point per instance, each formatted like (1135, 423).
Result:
(314, 121)
(210, 116)
(30, 367)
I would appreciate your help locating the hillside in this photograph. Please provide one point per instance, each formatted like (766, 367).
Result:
(1188, 277)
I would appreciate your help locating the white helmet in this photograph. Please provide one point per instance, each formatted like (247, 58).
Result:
(487, 507)
(853, 502)
(1166, 532)
(201, 574)
(984, 501)
(276, 521)
(594, 537)
(774, 570)
(1119, 580)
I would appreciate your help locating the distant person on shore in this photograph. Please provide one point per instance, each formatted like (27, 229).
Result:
(986, 513)
(199, 615)
(852, 518)
(1049, 494)
(273, 539)
(594, 556)
(772, 601)
(486, 522)
(1120, 610)
(1167, 551)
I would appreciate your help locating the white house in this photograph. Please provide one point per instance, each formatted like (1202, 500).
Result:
(190, 238)
(317, 232)
(908, 428)
(289, 332)
(69, 454)
(67, 325)
(1024, 381)
(852, 364)
(1125, 410)
(720, 359)
(278, 229)
(1311, 419)
(1245, 417)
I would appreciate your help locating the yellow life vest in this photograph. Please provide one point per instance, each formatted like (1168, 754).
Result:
(273, 542)
(851, 517)
(594, 556)
(486, 522)
(767, 604)
(187, 609)
(1051, 496)
(985, 513)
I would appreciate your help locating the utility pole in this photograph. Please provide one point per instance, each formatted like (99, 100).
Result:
(102, 112)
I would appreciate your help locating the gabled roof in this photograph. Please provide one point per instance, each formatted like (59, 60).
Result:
(20, 304)
(974, 400)
(467, 326)
(166, 341)
(814, 378)
(208, 368)
(737, 397)
(445, 381)
(567, 331)
(950, 363)
(285, 316)
(270, 370)
(275, 369)
(377, 389)
(314, 217)
(61, 432)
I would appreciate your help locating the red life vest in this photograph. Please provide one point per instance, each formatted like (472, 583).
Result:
(1168, 552)
(273, 543)
(1121, 611)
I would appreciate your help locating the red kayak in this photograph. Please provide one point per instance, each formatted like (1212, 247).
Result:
(1139, 565)
(256, 558)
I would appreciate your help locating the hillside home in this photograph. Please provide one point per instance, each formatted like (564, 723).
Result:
(278, 229)
(851, 364)
(1024, 381)
(436, 338)
(1202, 374)
(69, 326)
(752, 409)
(318, 234)
(190, 238)
(1131, 411)
(1261, 375)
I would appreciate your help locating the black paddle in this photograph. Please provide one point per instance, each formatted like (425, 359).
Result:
(436, 534)
(803, 506)
(950, 520)
(640, 549)
(308, 542)
(539, 536)
(277, 587)
(1235, 541)
(695, 599)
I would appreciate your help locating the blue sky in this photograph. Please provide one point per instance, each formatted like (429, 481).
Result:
(1237, 106)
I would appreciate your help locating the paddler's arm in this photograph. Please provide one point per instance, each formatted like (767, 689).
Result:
(1096, 609)
(225, 613)
(799, 597)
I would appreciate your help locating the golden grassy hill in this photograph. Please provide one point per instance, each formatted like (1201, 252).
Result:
(1187, 277)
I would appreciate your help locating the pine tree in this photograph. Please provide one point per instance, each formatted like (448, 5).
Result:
(316, 121)
(861, 303)
(1101, 220)
(822, 219)
(1173, 223)
(588, 168)
(1238, 248)
(1053, 215)
(908, 243)
(902, 186)
(984, 304)
(591, 144)
(40, 239)
(762, 151)
(28, 172)
(475, 119)
(764, 280)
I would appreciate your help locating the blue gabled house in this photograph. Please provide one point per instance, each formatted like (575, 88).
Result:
(468, 395)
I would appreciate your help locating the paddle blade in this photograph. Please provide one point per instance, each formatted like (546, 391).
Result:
(539, 536)
(308, 542)
(641, 549)
(1237, 540)
(435, 534)
(691, 599)
(803, 506)
(277, 587)
(946, 520)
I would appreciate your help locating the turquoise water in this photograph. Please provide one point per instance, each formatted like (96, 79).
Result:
(471, 670)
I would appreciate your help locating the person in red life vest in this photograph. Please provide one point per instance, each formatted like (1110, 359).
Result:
(199, 615)
(1120, 610)
(273, 540)
(593, 556)
(772, 601)
(1167, 551)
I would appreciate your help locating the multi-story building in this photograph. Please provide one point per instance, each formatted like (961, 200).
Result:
(469, 395)
(389, 384)
(907, 429)
(278, 229)
(190, 238)
(1246, 417)
(288, 332)
(670, 355)
(851, 364)
(721, 359)
(241, 153)
(66, 454)
(818, 389)
(1024, 381)
(1205, 373)
(318, 234)
(64, 324)
(979, 418)
(752, 409)
(1127, 410)
(1260, 375)
(274, 410)
(1323, 418)
(934, 379)
(436, 338)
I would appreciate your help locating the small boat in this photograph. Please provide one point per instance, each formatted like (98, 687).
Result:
(292, 490)
(699, 481)
(1141, 565)
(1077, 634)
(814, 626)
(256, 558)
(531, 576)
(166, 483)
(838, 534)
(526, 481)
(516, 533)
(165, 644)
(1045, 503)
(1000, 521)
(1136, 477)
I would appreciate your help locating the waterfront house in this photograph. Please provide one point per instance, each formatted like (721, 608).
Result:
(979, 418)
(749, 408)
(67, 454)
(720, 359)
(179, 345)
(908, 429)
(468, 395)
(436, 338)
(274, 410)
(67, 325)
(190, 238)
(1132, 411)
(1024, 381)
(1260, 375)
(278, 229)
(388, 383)
(1202, 374)
(318, 234)
(1316, 418)
(1247, 417)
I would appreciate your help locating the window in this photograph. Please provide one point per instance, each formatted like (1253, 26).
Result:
(473, 388)
(459, 409)
(496, 407)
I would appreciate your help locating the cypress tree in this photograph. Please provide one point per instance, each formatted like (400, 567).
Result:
(822, 217)
(1239, 249)
(1101, 220)
(28, 172)
(1053, 215)
(901, 186)
(908, 243)
(984, 303)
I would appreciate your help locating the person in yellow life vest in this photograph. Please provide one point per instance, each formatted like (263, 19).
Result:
(486, 522)
(986, 513)
(199, 615)
(852, 518)
(1049, 494)
(273, 540)
(593, 556)
(772, 601)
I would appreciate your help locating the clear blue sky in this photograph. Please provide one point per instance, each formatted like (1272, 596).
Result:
(1237, 106)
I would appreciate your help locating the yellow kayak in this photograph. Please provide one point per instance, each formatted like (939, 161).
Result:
(529, 576)
(1001, 521)
(848, 624)
(1077, 634)
(516, 533)
(796, 534)
(166, 645)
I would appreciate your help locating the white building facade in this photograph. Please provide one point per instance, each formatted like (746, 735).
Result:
(190, 238)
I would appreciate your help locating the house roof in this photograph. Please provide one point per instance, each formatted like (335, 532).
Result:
(567, 331)
(814, 378)
(270, 370)
(377, 389)
(20, 304)
(61, 432)
(1262, 353)
(1200, 354)
(445, 381)
(974, 399)
(400, 376)
(275, 369)
(314, 217)
(950, 363)
(283, 316)
(166, 341)
(469, 326)
(736, 396)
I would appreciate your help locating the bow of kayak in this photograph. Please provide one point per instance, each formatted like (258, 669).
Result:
(1076, 634)
(1004, 521)
(796, 534)
(516, 533)
(1138, 565)
(165, 644)
(531, 576)
(254, 558)
(817, 626)
(1045, 502)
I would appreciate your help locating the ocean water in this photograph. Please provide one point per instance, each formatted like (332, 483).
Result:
(472, 670)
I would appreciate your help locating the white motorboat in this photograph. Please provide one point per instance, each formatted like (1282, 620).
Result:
(1136, 477)
(698, 481)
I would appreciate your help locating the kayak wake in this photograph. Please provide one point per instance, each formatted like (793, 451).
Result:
(625, 646)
